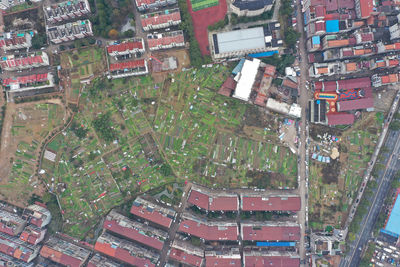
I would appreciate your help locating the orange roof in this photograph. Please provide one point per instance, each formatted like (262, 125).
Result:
(397, 46)
(24, 236)
(17, 253)
(393, 62)
(390, 47)
(385, 79)
(368, 50)
(352, 66)
(381, 64)
(393, 78)
(335, 43)
(105, 248)
(54, 255)
(358, 52)
(358, 23)
(322, 70)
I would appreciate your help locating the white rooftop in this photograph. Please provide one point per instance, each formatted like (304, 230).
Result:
(246, 78)
(240, 40)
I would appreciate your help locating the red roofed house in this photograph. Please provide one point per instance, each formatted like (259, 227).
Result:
(29, 82)
(97, 260)
(331, 86)
(186, 253)
(213, 201)
(275, 259)
(364, 8)
(13, 41)
(125, 251)
(264, 202)
(222, 259)
(32, 235)
(362, 103)
(269, 231)
(11, 224)
(12, 63)
(128, 68)
(161, 19)
(64, 253)
(126, 47)
(212, 231)
(228, 87)
(17, 251)
(165, 40)
(37, 215)
(340, 118)
(135, 231)
(152, 212)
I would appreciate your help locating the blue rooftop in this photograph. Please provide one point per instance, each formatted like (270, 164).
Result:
(394, 218)
(264, 54)
(316, 40)
(332, 26)
(238, 67)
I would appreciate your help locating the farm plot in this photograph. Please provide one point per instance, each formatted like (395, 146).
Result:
(31, 124)
(93, 172)
(202, 134)
(333, 186)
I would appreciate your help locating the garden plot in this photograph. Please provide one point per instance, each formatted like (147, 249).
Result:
(333, 186)
(31, 124)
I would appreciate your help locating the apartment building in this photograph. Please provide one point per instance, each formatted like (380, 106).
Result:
(153, 213)
(13, 63)
(128, 68)
(126, 47)
(186, 253)
(37, 214)
(11, 224)
(161, 19)
(69, 31)
(15, 40)
(166, 40)
(145, 5)
(67, 10)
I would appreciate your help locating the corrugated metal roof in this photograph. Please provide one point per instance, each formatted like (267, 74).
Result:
(246, 39)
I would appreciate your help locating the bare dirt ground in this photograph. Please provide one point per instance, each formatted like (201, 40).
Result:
(182, 57)
(9, 144)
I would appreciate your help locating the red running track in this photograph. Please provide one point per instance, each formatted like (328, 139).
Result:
(202, 19)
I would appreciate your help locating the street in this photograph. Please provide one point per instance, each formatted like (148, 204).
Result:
(303, 102)
(367, 225)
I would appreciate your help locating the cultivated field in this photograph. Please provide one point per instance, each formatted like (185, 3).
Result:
(333, 186)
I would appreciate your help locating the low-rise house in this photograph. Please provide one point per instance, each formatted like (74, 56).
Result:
(66, 10)
(125, 251)
(69, 31)
(12, 63)
(64, 253)
(270, 231)
(11, 224)
(128, 68)
(210, 231)
(126, 47)
(32, 235)
(144, 5)
(166, 40)
(153, 212)
(17, 251)
(186, 253)
(15, 40)
(230, 258)
(135, 231)
(269, 202)
(210, 200)
(273, 258)
(161, 19)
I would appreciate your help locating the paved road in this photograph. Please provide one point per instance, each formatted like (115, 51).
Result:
(392, 166)
(303, 101)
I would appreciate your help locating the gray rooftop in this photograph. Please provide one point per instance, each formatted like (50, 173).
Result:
(239, 40)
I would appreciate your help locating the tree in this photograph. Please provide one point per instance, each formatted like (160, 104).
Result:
(102, 125)
(113, 34)
(395, 125)
(38, 41)
(128, 33)
(291, 37)
(166, 170)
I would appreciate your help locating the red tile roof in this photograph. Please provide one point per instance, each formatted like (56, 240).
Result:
(31, 235)
(367, 7)
(209, 232)
(362, 103)
(213, 203)
(182, 256)
(26, 79)
(122, 254)
(124, 47)
(144, 2)
(151, 214)
(330, 86)
(59, 257)
(228, 86)
(161, 19)
(275, 261)
(270, 203)
(166, 40)
(320, 11)
(14, 250)
(132, 234)
(215, 261)
(270, 233)
(14, 40)
(341, 118)
(25, 61)
(127, 65)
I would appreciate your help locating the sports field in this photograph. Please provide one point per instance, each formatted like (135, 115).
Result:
(201, 4)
